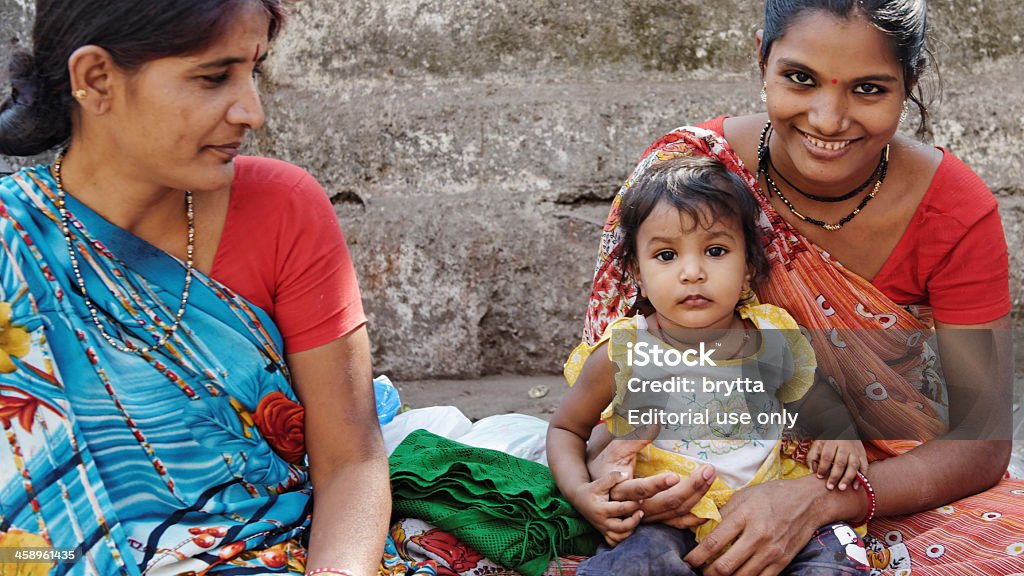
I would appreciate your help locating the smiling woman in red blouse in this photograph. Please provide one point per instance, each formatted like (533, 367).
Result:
(874, 234)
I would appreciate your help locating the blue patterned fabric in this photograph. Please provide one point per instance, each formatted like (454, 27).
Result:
(188, 459)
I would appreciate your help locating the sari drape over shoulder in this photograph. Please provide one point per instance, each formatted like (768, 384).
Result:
(872, 350)
(186, 459)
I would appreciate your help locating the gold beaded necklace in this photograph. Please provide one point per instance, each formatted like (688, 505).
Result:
(65, 221)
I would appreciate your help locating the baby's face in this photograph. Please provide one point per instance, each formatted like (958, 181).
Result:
(693, 272)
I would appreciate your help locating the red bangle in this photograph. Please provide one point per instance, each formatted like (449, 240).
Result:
(872, 504)
(325, 570)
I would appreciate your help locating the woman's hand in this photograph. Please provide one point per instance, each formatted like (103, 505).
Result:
(768, 524)
(667, 499)
(662, 498)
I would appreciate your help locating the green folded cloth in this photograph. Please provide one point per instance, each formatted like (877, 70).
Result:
(507, 508)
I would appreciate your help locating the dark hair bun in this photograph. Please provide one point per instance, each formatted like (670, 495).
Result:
(33, 119)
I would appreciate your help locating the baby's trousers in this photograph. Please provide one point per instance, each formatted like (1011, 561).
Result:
(658, 550)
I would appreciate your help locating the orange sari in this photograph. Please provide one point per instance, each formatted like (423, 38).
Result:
(872, 350)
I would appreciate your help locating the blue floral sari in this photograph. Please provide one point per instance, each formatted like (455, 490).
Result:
(186, 460)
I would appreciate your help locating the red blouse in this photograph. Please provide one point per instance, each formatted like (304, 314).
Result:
(282, 250)
(953, 255)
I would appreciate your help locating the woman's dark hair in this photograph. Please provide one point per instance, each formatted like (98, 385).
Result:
(37, 115)
(904, 21)
(703, 189)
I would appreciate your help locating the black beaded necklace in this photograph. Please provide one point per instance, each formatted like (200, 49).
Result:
(764, 161)
(815, 197)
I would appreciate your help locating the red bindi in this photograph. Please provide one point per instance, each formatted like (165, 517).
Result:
(834, 81)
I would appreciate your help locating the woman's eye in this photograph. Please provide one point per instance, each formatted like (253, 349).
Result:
(868, 89)
(717, 251)
(216, 78)
(665, 256)
(800, 78)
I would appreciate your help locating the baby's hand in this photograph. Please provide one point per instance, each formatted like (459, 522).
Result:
(838, 460)
(614, 520)
(621, 453)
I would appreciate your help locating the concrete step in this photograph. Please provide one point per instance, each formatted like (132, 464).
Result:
(474, 207)
(438, 136)
(477, 38)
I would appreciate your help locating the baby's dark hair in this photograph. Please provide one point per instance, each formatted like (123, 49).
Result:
(702, 188)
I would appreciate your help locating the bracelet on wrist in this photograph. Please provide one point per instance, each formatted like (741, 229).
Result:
(332, 571)
(872, 504)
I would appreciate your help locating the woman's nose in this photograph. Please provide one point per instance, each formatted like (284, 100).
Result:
(247, 110)
(828, 113)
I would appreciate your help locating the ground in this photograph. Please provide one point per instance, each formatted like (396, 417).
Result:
(488, 395)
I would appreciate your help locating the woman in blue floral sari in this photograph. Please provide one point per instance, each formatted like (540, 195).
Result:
(156, 418)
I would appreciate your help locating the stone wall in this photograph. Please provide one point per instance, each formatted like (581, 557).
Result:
(471, 147)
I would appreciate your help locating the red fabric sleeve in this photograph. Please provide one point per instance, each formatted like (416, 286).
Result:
(282, 250)
(971, 284)
(953, 255)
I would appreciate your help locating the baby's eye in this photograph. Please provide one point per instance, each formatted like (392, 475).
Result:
(665, 256)
(717, 251)
(801, 78)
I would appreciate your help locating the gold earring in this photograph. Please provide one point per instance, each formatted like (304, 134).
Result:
(746, 292)
(80, 94)
(903, 112)
(764, 92)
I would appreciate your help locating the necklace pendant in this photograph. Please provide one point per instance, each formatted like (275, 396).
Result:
(832, 227)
